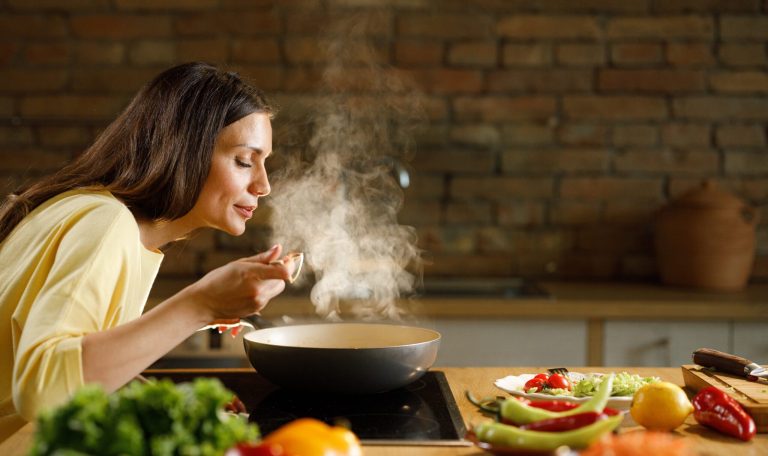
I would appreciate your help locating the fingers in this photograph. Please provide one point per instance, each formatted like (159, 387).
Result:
(268, 256)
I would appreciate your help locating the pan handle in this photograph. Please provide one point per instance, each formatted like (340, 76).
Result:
(724, 362)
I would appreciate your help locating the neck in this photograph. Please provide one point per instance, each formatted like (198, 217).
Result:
(155, 234)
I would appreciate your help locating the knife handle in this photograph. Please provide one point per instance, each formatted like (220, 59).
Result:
(724, 362)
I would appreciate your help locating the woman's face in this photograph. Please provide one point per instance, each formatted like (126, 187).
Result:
(238, 176)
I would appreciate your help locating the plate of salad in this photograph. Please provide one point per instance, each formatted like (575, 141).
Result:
(573, 386)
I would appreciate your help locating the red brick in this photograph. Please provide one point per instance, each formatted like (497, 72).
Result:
(64, 136)
(501, 188)
(565, 212)
(47, 53)
(705, 6)
(753, 189)
(206, 50)
(744, 27)
(300, 79)
(28, 80)
(446, 26)
(7, 106)
(473, 54)
(264, 77)
(583, 134)
(8, 52)
(610, 187)
(711, 107)
(493, 109)
(746, 54)
(56, 5)
(526, 55)
(111, 80)
(540, 81)
(527, 134)
(558, 27)
(435, 108)
(16, 135)
(71, 107)
(542, 241)
(448, 80)
(120, 26)
(741, 135)
(256, 50)
(24, 159)
(739, 82)
(152, 52)
(446, 239)
(90, 52)
(653, 81)
(585, 6)
(468, 213)
(663, 27)
(690, 54)
(521, 213)
(475, 135)
(636, 212)
(746, 163)
(236, 23)
(166, 5)
(425, 187)
(420, 213)
(351, 25)
(668, 160)
(635, 135)
(455, 161)
(614, 107)
(580, 54)
(418, 53)
(488, 265)
(686, 135)
(543, 161)
(636, 53)
(288, 5)
(18, 26)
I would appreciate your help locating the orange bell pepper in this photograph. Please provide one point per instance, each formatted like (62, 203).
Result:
(311, 437)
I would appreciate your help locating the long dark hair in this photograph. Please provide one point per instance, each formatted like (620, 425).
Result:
(156, 155)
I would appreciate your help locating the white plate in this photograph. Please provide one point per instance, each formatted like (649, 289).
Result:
(514, 384)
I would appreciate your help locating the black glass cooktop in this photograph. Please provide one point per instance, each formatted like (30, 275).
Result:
(422, 413)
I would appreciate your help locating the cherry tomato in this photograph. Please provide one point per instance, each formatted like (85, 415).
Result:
(542, 376)
(559, 381)
(537, 383)
(248, 449)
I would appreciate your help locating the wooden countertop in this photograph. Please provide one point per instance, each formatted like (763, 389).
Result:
(578, 300)
(480, 381)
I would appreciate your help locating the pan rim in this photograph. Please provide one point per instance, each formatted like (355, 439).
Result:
(435, 336)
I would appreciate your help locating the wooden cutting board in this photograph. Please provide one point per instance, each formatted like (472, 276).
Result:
(753, 396)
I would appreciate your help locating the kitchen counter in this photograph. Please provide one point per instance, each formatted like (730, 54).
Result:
(480, 382)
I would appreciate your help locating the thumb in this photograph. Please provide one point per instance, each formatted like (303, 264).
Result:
(267, 256)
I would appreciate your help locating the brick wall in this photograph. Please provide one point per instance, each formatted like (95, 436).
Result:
(553, 129)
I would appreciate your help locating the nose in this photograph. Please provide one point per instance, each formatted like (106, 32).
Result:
(260, 183)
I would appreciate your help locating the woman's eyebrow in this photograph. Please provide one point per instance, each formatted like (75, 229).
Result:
(254, 148)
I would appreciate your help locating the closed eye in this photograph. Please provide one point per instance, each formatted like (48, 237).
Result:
(242, 164)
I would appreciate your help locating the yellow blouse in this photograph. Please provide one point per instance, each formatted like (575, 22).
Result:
(73, 266)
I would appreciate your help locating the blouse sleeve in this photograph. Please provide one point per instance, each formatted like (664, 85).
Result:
(86, 264)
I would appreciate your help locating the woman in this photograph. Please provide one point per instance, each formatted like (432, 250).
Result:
(79, 250)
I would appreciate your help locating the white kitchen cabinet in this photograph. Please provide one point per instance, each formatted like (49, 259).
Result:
(661, 343)
(750, 340)
(508, 342)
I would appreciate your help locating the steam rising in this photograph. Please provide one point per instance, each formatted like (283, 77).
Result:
(337, 200)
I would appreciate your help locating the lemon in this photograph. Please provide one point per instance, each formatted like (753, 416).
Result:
(661, 406)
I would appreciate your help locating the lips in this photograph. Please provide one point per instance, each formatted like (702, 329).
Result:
(245, 211)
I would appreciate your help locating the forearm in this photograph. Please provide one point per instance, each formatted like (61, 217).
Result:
(113, 357)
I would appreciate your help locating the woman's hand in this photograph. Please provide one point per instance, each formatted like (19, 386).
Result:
(242, 287)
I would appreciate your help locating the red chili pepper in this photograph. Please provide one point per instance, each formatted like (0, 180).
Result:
(553, 405)
(714, 408)
(564, 423)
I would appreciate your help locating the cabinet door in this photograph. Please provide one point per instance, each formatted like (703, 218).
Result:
(661, 343)
(506, 342)
(750, 340)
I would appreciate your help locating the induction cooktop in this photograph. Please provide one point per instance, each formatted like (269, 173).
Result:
(421, 413)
